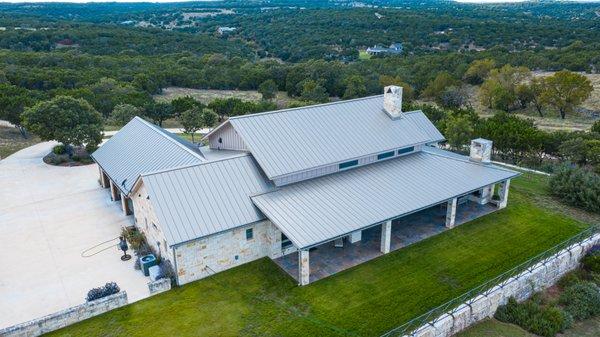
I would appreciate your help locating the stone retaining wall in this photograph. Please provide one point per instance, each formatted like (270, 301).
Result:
(65, 317)
(159, 286)
(538, 277)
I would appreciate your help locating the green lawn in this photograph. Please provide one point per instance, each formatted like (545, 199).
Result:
(259, 299)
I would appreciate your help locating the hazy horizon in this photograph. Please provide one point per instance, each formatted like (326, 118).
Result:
(168, 1)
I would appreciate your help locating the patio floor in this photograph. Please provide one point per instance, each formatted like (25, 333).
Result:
(326, 260)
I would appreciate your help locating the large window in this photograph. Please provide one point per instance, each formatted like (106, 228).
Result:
(348, 164)
(385, 155)
(249, 234)
(285, 242)
(406, 150)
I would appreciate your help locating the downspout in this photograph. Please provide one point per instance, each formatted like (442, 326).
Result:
(175, 266)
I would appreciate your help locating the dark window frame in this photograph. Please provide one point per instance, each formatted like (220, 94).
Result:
(348, 164)
(386, 155)
(249, 234)
(406, 150)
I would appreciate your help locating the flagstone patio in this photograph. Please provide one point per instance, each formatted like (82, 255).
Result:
(326, 259)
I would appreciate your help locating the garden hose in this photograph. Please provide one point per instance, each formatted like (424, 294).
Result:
(86, 253)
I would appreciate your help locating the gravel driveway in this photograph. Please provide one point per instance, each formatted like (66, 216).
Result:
(48, 216)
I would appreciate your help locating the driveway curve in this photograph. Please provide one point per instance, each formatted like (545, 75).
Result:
(49, 216)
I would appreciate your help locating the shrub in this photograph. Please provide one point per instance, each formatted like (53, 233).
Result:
(100, 292)
(577, 187)
(59, 149)
(531, 316)
(581, 300)
(569, 279)
(166, 271)
(591, 262)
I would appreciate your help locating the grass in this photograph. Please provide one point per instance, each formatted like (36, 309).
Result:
(369, 299)
(11, 141)
(208, 95)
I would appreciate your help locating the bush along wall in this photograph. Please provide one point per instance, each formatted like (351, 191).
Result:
(546, 313)
(577, 186)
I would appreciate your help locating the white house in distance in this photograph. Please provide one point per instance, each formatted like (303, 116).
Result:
(318, 189)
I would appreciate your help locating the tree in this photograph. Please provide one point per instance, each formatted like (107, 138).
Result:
(498, 91)
(478, 70)
(268, 89)
(224, 106)
(67, 120)
(191, 120)
(565, 90)
(459, 130)
(596, 127)
(442, 81)
(313, 91)
(184, 103)
(196, 118)
(355, 87)
(123, 113)
(13, 101)
(145, 83)
(537, 88)
(453, 97)
(158, 112)
(107, 93)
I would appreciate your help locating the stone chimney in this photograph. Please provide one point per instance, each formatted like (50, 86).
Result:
(481, 150)
(392, 101)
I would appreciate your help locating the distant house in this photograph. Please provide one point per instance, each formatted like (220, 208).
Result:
(394, 49)
(225, 30)
(317, 189)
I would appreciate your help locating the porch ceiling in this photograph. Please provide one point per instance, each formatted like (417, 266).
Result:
(319, 210)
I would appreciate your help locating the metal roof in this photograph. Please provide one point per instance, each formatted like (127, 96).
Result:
(292, 140)
(141, 147)
(205, 199)
(319, 210)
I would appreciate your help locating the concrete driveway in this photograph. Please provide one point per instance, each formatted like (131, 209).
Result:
(48, 216)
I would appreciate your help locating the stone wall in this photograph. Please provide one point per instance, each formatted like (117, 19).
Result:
(159, 286)
(540, 276)
(204, 257)
(147, 222)
(65, 317)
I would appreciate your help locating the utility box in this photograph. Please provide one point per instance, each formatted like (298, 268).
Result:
(154, 272)
(146, 262)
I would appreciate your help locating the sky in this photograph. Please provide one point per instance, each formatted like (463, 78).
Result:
(157, 1)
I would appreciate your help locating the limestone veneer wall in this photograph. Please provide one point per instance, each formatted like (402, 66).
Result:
(204, 257)
(159, 286)
(541, 276)
(65, 317)
(147, 222)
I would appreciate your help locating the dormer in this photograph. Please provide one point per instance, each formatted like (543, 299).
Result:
(392, 101)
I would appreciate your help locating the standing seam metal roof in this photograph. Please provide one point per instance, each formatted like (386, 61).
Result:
(315, 211)
(206, 199)
(292, 140)
(141, 147)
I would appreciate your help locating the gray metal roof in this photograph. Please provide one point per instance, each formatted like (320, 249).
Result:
(141, 147)
(315, 211)
(287, 141)
(205, 199)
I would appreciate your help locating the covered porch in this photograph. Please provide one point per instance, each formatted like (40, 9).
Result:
(331, 257)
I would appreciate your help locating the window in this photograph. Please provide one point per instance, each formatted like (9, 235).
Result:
(285, 242)
(385, 155)
(348, 164)
(249, 234)
(406, 150)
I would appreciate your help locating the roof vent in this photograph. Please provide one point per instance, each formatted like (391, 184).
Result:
(392, 101)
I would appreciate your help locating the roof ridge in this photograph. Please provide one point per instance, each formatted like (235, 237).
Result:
(167, 135)
(304, 107)
(183, 167)
(466, 160)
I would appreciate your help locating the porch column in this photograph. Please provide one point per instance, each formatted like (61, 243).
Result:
(503, 194)
(451, 212)
(114, 192)
(303, 267)
(486, 194)
(103, 178)
(125, 205)
(386, 236)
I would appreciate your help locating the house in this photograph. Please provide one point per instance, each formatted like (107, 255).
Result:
(394, 49)
(317, 189)
(225, 30)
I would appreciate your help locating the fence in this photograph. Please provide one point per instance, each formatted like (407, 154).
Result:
(427, 318)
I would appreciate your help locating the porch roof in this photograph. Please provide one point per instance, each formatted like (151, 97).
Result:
(319, 210)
